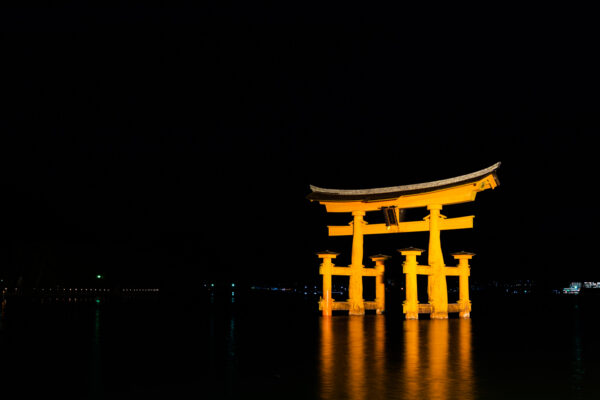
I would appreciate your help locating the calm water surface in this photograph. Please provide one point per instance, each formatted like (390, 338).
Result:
(277, 346)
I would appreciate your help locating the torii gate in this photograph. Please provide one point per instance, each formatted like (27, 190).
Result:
(433, 195)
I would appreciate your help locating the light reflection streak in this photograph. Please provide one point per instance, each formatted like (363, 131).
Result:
(356, 354)
(352, 359)
(327, 358)
(438, 371)
(466, 377)
(411, 384)
(96, 361)
(379, 361)
(231, 357)
(2, 311)
(426, 359)
(578, 370)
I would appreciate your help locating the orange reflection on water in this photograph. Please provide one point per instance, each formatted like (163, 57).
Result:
(356, 357)
(438, 371)
(352, 357)
(466, 379)
(412, 382)
(327, 358)
(438, 359)
(379, 359)
(427, 359)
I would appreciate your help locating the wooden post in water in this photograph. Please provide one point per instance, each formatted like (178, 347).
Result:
(464, 271)
(436, 281)
(379, 260)
(355, 288)
(411, 303)
(326, 270)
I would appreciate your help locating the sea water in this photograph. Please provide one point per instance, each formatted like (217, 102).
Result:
(277, 346)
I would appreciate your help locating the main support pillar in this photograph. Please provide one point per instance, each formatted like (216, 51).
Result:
(326, 270)
(411, 304)
(379, 260)
(436, 284)
(355, 288)
(464, 303)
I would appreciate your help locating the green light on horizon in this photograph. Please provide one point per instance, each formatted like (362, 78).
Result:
(99, 276)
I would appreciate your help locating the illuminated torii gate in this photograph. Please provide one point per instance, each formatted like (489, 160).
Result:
(390, 200)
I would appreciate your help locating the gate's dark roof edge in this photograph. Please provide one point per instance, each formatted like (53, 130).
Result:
(323, 194)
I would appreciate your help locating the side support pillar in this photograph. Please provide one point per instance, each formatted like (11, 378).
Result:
(355, 288)
(379, 260)
(411, 304)
(326, 270)
(464, 303)
(436, 285)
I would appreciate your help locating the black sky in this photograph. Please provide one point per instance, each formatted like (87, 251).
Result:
(168, 144)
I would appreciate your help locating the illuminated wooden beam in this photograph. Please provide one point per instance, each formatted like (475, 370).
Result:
(460, 189)
(410, 226)
(449, 271)
(341, 271)
(423, 270)
(369, 272)
(452, 271)
(345, 306)
(456, 195)
(346, 271)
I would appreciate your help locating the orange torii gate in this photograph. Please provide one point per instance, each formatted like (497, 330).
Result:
(391, 200)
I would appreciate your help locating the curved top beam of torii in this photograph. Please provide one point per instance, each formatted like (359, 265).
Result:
(455, 190)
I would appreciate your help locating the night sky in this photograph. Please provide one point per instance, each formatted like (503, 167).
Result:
(161, 146)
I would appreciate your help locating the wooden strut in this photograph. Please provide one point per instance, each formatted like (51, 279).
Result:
(402, 227)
